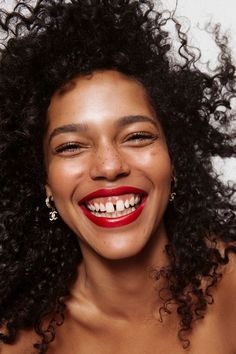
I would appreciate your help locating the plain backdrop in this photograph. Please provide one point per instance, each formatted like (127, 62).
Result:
(194, 14)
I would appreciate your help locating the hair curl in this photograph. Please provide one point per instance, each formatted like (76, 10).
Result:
(47, 45)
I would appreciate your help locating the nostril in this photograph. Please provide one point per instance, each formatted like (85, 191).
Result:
(110, 177)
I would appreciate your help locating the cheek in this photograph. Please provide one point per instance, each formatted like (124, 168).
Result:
(161, 167)
(62, 174)
(155, 163)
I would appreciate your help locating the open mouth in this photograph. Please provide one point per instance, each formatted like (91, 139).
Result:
(124, 205)
(117, 207)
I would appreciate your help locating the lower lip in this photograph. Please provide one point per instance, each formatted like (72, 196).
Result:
(115, 222)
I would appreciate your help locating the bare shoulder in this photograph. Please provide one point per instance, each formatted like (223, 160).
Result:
(23, 345)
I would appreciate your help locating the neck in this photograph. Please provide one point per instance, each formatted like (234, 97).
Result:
(123, 288)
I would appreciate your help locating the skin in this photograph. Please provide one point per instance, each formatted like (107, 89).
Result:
(113, 306)
(107, 159)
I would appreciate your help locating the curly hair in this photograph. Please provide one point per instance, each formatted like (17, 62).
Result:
(45, 46)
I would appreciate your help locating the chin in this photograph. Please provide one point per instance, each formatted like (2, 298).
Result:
(115, 255)
(120, 247)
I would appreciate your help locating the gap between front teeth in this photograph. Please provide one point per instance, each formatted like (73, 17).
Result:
(109, 207)
(115, 214)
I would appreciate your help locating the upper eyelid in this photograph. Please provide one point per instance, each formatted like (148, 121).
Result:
(135, 133)
(68, 143)
(64, 146)
(142, 133)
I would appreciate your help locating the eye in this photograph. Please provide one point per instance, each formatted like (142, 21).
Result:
(68, 148)
(141, 137)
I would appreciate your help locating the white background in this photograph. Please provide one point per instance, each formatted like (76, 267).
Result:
(195, 14)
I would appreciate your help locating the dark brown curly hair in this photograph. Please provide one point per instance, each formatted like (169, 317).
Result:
(46, 45)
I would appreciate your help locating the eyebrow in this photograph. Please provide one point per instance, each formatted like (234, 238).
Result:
(68, 128)
(126, 120)
(82, 127)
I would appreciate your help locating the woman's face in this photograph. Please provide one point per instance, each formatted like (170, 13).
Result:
(107, 162)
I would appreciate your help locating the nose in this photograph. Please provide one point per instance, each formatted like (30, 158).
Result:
(108, 163)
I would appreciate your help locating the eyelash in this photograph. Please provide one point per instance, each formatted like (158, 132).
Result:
(67, 147)
(71, 147)
(139, 136)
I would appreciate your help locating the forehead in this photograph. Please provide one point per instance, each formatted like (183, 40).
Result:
(105, 93)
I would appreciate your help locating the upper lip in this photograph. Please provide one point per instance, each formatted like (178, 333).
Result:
(107, 192)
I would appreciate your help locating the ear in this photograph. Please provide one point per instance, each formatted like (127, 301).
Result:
(48, 190)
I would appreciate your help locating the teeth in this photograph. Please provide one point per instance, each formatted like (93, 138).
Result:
(120, 205)
(131, 202)
(97, 207)
(114, 214)
(126, 204)
(110, 207)
(102, 207)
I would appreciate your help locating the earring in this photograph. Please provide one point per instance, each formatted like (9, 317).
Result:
(52, 213)
(173, 194)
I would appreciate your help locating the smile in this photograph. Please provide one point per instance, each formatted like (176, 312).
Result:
(114, 207)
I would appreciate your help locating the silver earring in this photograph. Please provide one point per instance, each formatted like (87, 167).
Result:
(53, 215)
(173, 194)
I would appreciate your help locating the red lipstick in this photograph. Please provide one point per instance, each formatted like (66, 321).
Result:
(114, 221)
(100, 193)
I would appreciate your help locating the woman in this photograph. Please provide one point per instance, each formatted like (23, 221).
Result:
(116, 235)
